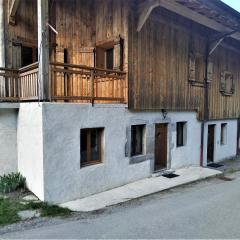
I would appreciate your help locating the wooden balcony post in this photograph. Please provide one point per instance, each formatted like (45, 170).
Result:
(2, 48)
(50, 83)
(43, 50)
(92, 86)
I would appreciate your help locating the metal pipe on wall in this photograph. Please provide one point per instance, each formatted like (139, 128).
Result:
(2, 45)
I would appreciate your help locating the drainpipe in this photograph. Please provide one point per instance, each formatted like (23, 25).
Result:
(2, 45)
(206, 108)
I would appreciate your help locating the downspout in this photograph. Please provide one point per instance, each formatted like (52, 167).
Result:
(2, 45)
(205, 107)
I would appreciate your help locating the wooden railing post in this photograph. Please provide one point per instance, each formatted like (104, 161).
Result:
(50, 83)
(19, 86)
(92, 86)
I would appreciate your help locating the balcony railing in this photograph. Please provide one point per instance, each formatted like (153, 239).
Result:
(19, 85)
(67, 82)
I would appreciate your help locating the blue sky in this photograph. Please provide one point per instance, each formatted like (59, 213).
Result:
(233, 3)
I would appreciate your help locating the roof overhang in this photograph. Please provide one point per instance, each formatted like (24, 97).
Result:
(147, 6)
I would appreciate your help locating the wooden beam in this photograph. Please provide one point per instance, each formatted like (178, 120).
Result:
(43, 49)
(175, 7)
(12, 11)
(145, 10)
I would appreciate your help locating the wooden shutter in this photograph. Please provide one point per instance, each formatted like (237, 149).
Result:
(118, 54)
(210, 71)
(16, 56)
(222, 82)
(81, 84)
(233, 85)
(192, 68)
(84, 56)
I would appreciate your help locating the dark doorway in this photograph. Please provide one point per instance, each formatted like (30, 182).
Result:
(210, 143)
(161, 135)
(29, 55)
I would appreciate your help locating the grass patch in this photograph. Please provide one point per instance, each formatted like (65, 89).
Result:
(8, 211)
(49, 210)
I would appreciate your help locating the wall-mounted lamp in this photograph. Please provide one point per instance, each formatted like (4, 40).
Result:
(164, 113)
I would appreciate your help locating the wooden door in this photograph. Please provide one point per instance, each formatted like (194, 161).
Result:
(210, 143)
(161, 135)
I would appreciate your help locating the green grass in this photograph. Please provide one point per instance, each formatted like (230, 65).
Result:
(49, 210)
(9, 209)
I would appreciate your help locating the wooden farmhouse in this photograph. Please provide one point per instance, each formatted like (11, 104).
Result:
(95, 94)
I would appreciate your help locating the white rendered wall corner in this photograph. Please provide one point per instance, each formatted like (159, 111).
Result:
(226, 149)
(30, 146)
(8, 140)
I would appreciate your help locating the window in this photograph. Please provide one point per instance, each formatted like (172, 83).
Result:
(137, 135)
(109, 54)
(91, 146)
(227, 86)
(223, 133)
(109, 58)
(181, 134)
(29, 55)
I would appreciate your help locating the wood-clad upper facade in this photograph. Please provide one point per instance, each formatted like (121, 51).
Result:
(162, 52)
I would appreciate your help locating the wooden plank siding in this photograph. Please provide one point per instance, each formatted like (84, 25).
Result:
(156, 59)
(24, 31)
(159, 62)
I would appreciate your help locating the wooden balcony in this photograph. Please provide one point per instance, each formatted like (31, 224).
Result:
(67, 83)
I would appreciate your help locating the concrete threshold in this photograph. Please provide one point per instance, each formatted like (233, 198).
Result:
(139, 189)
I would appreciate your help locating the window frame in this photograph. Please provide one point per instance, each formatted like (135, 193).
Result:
(223, 134)
(100, 135)
(102, 47)
(223, 83)
(183, 132)
(143, 134)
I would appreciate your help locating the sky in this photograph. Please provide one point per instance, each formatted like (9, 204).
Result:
(233, 3)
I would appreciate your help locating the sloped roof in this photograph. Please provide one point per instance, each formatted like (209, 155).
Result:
(215, 10)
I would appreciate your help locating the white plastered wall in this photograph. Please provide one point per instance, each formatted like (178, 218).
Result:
(8, 140)
(30, 146)
(226, 151)
(64, 180)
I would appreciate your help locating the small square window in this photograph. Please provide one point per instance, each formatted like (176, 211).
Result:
(137, 140)
(181, 134)
(223, 133)
(91, 146)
